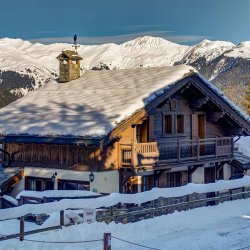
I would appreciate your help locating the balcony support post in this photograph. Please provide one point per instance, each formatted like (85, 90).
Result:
(133, 149)
(198, 149)
(216, 149)
(232, 146)
(178, 151)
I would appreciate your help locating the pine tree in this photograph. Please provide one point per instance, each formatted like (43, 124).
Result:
(246, 101)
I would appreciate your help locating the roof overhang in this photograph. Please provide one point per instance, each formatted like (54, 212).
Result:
(241, 161)
(58, 140)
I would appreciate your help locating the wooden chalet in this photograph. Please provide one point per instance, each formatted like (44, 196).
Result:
(123, 131)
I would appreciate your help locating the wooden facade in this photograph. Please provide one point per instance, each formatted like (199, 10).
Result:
(160, 145)
(54, 156)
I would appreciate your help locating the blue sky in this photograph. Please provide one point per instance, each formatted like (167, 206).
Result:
(100, 21)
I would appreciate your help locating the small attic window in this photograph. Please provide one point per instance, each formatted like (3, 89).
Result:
(65, 62)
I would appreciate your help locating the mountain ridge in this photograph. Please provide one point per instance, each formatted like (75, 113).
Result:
(26, 66)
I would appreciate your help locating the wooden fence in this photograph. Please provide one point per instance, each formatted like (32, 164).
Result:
(127, 213)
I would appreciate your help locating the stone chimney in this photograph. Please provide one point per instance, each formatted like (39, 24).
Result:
(69, 65)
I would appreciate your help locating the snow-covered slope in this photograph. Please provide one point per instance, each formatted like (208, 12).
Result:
(25, 66)
(225, 226)
(206, 49)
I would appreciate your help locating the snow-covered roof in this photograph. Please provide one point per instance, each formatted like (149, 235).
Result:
(226, 99)
(94, 104)
(71, 54)
(89, 106)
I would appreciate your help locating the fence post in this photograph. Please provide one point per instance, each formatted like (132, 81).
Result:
(188, 199)
(153, 206)
(62, 218)
(217, 200)
(231, 197)
(243, 191)
(22, 228)
(107, 241)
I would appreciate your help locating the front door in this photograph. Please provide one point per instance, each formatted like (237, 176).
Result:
(209, 175)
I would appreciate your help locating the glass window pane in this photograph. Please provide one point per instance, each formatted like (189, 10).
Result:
(38, 185)
(49, 185)
(180, 124)
(168, 124)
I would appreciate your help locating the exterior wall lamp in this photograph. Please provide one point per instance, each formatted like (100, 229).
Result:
(91, 177)
(53, 177)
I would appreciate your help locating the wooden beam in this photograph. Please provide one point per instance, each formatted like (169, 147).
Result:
(199, 102)
(215, 116)
(191, 170)
(22, 228)
(125, 177)
(186, 87)
(236, 131)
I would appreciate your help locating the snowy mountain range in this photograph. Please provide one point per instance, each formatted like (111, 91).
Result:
(25, 66)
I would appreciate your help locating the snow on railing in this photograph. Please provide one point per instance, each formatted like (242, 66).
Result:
(115, 198)
(57, 193)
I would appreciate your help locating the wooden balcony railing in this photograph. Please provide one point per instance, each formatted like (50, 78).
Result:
(190, 150)
(149, 149)
(178, 151)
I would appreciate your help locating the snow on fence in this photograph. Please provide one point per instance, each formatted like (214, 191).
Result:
(116, 198)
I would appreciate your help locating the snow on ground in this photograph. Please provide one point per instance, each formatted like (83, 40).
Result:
(116, 198)
(206, 49)
(241, 50)
(226, 226)
(8, 227)
(244, 145)
(10, 199)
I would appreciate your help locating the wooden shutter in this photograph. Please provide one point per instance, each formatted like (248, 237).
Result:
(151, 128)
(194, 124)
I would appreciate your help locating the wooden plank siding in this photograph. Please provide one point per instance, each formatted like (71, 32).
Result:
(60, 156)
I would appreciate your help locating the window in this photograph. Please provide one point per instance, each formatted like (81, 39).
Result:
(49, 185)
(126, 156)
(168, 124)
(138, 133)
(180, 124)
(173, 124)
(38, 186)
(73, 185)
(171, 180)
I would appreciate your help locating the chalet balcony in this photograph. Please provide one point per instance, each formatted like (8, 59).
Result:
(176, 152)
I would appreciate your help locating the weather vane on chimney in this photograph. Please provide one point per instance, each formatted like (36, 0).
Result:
(75, 43)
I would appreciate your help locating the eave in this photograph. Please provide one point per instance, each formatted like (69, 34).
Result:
(58, 140)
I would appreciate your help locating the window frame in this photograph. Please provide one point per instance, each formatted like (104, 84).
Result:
(183, 123)
(164, 124)
(174, 124)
